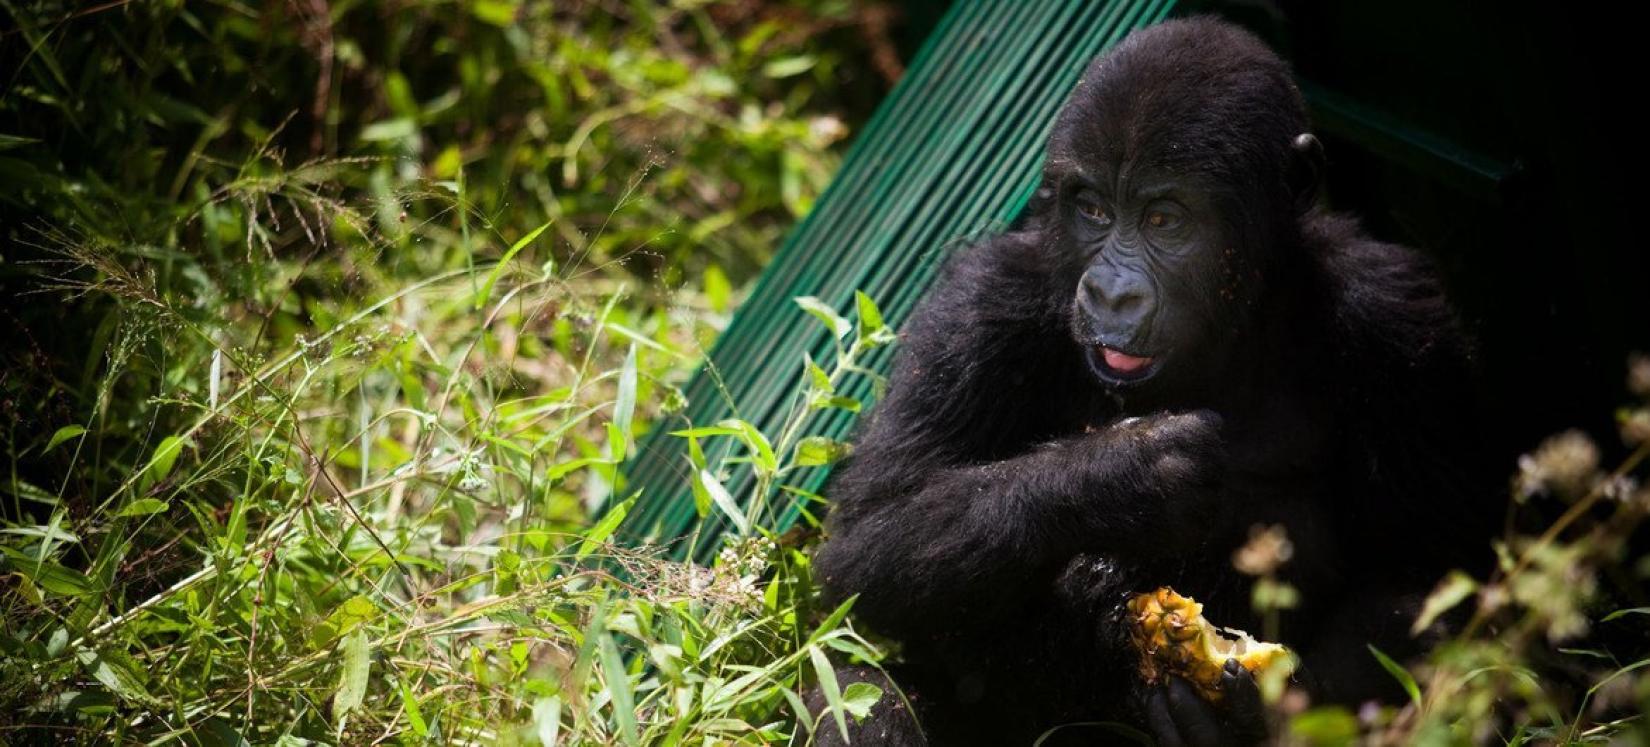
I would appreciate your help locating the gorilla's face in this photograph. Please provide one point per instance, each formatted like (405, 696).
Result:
(1157, 286)
(1181, 171)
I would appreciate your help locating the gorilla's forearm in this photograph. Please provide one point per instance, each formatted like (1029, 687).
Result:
(977, 538)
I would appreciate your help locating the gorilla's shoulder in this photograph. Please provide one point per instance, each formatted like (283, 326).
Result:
(1387, 305)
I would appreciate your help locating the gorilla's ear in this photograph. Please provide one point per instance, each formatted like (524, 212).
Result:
(1306, 164)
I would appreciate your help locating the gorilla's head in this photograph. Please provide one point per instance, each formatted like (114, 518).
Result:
(1181, 169)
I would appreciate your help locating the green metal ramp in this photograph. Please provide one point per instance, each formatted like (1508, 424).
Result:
(956, 148)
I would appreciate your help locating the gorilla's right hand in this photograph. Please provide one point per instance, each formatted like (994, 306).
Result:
(1157, 479)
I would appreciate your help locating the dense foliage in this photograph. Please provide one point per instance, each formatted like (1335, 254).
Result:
(327, 324)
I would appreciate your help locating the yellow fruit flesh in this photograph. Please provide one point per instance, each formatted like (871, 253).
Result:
(1173, 638)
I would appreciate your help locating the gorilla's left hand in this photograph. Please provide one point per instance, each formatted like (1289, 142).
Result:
(1179, 717)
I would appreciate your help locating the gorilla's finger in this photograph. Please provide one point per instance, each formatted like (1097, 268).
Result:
(1245, 711)
(1198, 723)
(1161, 721)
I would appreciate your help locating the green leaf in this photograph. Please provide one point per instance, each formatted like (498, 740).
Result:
(696, 461)
(7, 142)
(821, 380)
(118, 672)
(1454, 589)
(718, 291)
(828, 687)
(870, 317)
(63, 434)
(786, 67)
(719, 496)
(144, 507)
(399, 128)
(1618, 614)
(352, 684)
(815, 451)
(547, 720)
(619, 692)
(833, 620)
(839, 402)
(839, 327)
(166, 455)
(625, 407)
(859, 697)
(415, 717)
(1331, 726)
(500, 13)
(757, 443)
(486, 290)
(605, 528)
(46, 574)
(1399, 673)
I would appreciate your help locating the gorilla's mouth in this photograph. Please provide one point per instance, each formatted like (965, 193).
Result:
(1119, 367)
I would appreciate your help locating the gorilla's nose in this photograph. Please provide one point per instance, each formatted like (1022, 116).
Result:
(1118, 301)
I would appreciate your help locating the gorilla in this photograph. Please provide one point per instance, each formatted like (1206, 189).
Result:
(1174, 345)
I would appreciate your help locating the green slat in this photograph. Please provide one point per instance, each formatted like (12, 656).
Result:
(955, 148)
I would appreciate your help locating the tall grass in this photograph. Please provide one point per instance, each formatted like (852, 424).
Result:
(329, 325)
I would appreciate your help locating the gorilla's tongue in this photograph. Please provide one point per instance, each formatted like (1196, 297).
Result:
(1123, 362)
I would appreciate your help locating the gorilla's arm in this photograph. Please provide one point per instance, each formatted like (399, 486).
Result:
(949, 507)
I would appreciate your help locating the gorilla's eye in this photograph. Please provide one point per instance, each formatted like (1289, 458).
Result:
(1095, 210)
(1160, 219)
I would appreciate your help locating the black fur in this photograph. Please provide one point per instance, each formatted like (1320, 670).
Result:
(1002, 501)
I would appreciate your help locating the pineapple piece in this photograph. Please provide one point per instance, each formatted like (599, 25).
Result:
(1172, 637)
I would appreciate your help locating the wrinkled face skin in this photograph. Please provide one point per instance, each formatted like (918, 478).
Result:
(1157, 286)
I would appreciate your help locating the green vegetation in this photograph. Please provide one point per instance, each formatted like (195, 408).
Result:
(327, 324)
(331, 324)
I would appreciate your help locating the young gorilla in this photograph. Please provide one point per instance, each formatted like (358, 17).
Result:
(1174, 347)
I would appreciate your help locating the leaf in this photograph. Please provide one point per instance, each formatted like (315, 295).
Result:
(786, 67)
(1331, 726)
(821, 380)
(756, 442)
(7, 142)
(828, 687)
(824, 313)
(605, 528)
(547, 720)
(352, 684)
(144, 507)
(870, 317)
(625, 406)
(1399, 673)
(840, 402)
(486, 290)
(46, 574)
(1618, 614)
(400, 128)
(619, 692)
(117, 672)
(701, 496)
(859, 697)
(63, 434)
(718, 291)
(1454, 589)
(415, 717)
(815, 451)
(833, 620)
(166, 455)
(719, 496)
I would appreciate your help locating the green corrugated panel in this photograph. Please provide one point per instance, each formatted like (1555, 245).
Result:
(955, 149)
